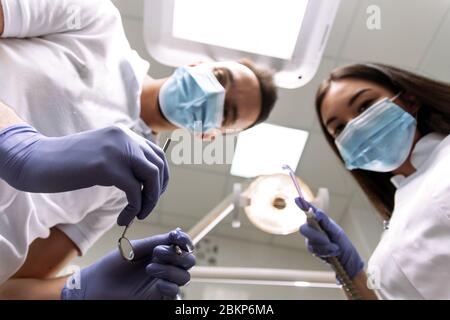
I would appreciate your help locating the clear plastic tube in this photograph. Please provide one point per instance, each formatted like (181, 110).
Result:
(294, 180)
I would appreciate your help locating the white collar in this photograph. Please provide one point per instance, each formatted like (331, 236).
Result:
(421, 152)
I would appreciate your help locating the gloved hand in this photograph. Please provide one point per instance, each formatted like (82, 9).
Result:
(336, 244)
(156, 272)
(113, 156)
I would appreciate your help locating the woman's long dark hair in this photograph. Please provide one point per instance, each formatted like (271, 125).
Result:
(433, 116)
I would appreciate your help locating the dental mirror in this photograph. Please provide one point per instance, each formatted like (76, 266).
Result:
(124, 244)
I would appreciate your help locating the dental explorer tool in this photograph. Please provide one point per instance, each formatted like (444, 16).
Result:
(343, 277)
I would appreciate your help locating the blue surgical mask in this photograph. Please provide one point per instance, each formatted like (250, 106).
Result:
(380, 139)
(193, 96)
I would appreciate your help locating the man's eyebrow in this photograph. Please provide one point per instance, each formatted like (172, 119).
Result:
(232, 113)
(235, 113)
(229, 74)
(356, 96)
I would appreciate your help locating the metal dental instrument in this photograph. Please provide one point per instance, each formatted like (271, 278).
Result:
(125, 246)
(343, 277)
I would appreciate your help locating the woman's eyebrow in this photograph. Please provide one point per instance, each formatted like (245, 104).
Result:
(356, 96)
(329, 121)
(350, 103)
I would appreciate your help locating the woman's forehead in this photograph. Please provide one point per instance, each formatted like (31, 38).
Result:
(341, 91)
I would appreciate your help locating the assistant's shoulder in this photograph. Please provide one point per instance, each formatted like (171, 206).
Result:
(440, 175)
(442, 152)
(446, 142)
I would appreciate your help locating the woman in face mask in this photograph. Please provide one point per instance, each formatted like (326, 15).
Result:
(391, 128)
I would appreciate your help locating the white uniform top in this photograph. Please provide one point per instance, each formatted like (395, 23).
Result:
(66, 80)
(66, 66)
(412, 259)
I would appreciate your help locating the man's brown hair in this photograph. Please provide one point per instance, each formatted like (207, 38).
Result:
(268, 89)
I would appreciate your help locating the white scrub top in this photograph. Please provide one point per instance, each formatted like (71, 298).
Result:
(83, 215)
(66, 66)
(412, 259)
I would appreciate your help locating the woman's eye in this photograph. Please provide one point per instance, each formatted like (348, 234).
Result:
(366, 105)
(339, 129)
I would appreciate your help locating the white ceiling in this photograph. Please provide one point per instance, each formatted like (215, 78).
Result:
(415, 34)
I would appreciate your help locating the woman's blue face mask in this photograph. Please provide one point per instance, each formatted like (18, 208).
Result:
(380, 139)
(193, 98)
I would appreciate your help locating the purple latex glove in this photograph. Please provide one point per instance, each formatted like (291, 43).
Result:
(156, 272)
(336, 244)
(113, 156)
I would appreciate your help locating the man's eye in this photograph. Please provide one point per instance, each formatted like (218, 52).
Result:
(225, 116)
(220, 76)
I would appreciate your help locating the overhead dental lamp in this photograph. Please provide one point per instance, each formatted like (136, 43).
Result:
(268, 203)
(271, 204)
(288, 36)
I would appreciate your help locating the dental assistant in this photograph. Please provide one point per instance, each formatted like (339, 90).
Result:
(391, 128)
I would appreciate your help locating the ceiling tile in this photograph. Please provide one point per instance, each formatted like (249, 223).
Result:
(192, 192)
(360, 202)
(134, 31)
(341, 25)
(338, 206)
(220, 164)
(316, 127)
(292, 241)
(133, 8)
(436, 62)
(169, 220)
(407, 27)
(319, 167)
(243, 233)
(362, 224)
(295, 107)
(154, 216)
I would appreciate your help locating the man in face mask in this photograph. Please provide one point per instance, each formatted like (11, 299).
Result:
(221, 96)
(65, 76)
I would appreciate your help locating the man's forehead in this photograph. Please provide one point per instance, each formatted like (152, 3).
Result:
(234, 66)
(245, 94)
